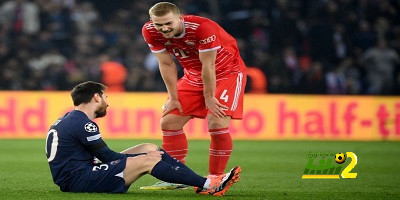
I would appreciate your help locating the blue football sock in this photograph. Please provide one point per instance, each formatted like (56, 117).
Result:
(169, 159)
(176, 174)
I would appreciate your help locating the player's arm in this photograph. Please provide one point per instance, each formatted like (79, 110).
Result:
(208, 76)
(169, 74)
(88, 134)
(102, 152)
(168, 70)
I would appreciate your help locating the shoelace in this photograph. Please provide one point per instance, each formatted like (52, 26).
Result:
(215, 187)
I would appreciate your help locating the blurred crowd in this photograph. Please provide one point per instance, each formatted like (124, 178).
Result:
(300, 46)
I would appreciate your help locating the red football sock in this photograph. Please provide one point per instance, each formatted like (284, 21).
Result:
(220, 150)
(175, 144)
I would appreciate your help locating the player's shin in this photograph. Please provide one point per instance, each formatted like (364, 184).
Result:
(175, 144)
(220, 150)
(175, 174)
(170, 160)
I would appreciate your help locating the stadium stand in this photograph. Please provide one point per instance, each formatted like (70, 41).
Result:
(306, 46)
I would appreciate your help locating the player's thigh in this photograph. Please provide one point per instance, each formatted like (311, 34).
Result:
(138, 166)
(192, 100)
(218, 122)
(230, 92)
(174, 122)
(106, 177)
(141, 148)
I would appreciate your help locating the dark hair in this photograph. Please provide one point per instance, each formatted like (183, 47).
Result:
(84, 92)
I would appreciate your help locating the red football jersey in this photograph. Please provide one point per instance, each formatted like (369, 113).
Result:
(200, 35)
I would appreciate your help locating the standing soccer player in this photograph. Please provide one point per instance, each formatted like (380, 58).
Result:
(74, 143)
(212, 86)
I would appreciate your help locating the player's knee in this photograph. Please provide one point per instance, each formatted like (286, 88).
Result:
(212, 124)
(164, 123)
(149, 147)
(168, 123)
(174, 122)
(144, 164)
(149, 162)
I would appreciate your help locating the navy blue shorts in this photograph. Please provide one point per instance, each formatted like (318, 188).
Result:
(106, 177)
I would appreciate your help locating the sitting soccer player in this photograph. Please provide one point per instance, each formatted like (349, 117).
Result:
(74, 142)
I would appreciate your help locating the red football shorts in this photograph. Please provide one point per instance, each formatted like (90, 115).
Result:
(229, 92)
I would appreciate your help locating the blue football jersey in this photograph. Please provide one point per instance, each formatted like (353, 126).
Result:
(67, 144)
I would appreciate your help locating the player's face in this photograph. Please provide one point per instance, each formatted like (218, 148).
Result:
(169, 25)
(102, 110)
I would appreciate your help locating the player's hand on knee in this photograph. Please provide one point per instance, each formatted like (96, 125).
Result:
(215, 107)
(171, 105)
(155, 153)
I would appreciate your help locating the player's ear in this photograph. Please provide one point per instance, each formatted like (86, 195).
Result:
(97, 97)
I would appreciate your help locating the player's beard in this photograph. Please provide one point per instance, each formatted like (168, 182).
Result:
(102, 111)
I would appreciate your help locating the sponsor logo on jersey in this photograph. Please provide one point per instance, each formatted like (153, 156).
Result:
(208, 40)
(90, 127)
(115, 162)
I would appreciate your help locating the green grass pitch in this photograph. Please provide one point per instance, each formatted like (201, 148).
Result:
(271, 170)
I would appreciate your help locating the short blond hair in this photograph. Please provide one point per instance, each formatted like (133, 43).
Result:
(162, 8)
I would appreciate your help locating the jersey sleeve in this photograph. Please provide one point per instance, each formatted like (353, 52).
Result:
(89, 135)
(207, 35)
(87, 132)
(154, 46)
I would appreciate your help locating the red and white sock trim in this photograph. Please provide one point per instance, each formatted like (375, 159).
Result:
(218, 131)
(171, 132)
(216, 152)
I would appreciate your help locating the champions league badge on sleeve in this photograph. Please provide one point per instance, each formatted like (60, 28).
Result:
(90, 127)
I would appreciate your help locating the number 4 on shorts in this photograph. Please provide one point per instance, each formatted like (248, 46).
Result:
(224, 96)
